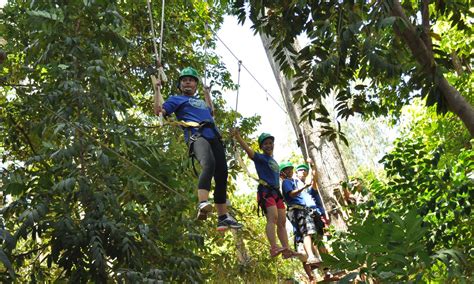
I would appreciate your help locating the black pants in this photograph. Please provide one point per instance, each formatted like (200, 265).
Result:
(211, 156)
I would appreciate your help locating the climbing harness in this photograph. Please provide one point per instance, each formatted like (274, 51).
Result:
(263, 190)
(194, 137)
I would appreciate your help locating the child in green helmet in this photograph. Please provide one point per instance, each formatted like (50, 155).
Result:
(298, 212)
(269, 197)
(205, 144)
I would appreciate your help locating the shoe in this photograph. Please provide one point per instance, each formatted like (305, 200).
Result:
(228, 223)
(313, 261)
(204, 208)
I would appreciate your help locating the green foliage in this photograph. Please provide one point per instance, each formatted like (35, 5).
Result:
(354, 50)
(417, 225)
(221, 253)
(443, 195)
(434, 130)
(386, 249)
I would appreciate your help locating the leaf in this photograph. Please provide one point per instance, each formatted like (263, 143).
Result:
(348, 278)
(453, 253)
(7, 263)
(435, 35)
(8, 238)
(388, 21)
(15, 189)
(44, 14)
(66, 184)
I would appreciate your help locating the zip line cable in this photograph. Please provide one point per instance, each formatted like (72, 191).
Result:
(251, 75)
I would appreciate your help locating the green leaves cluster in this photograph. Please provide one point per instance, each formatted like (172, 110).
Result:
(417, 225)
(386, 249)
(355, 52)
(442, 194)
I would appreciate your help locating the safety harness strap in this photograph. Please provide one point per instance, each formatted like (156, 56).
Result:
(193, 137)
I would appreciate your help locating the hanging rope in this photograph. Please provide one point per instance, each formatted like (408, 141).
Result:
(161, 31)
(207, 89)
(238, 158)
(206, 59)
(157, 81)
(238, 90)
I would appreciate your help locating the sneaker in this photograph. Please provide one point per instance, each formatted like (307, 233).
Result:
(204, 208)
(228, 223)
(313, 261)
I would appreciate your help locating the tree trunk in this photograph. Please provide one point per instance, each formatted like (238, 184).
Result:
(325, 153)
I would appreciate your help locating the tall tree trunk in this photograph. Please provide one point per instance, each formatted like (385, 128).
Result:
(325, 153)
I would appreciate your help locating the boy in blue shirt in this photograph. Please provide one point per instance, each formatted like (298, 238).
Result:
(298, 213)
(204, 143)
(268, 194)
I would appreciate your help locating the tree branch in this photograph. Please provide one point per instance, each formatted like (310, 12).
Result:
(410, 37)
(425, 16)
(454, 100)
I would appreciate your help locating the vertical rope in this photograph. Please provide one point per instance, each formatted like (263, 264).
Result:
(161, 27)
(238, 87)
(206, 59)
(152, 25)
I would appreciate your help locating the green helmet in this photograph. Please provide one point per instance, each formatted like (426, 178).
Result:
(190, 72)
(302, 167)
(264, 136)
(285, 165)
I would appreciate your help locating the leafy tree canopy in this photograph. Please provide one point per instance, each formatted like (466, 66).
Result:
(376, 56)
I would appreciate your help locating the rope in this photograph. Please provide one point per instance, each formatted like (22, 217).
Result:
(206, 58)
(238, 89)
(152, 25)
(161, 26)
(156, 81)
